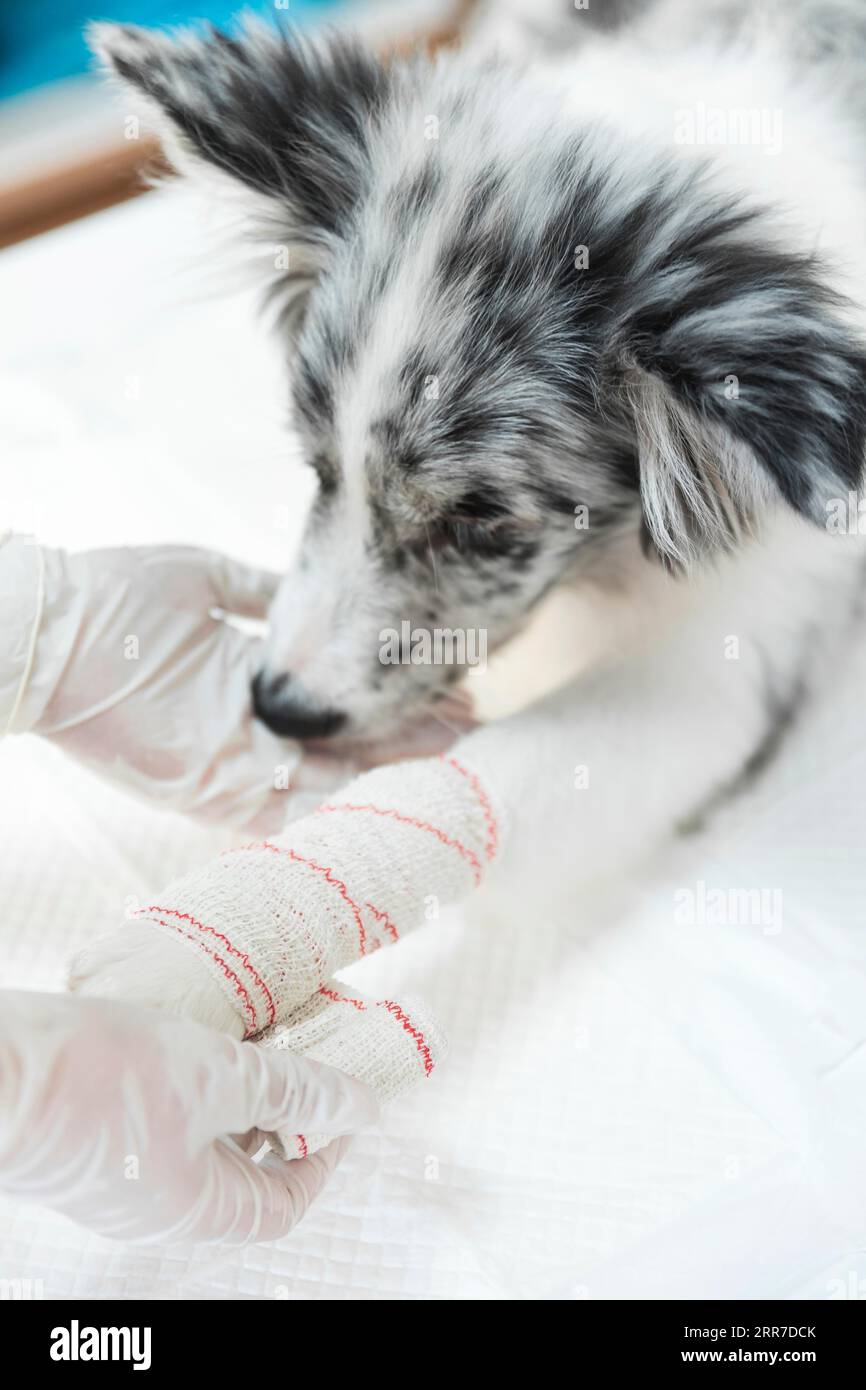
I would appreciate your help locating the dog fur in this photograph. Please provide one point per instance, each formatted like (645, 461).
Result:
(519, 291)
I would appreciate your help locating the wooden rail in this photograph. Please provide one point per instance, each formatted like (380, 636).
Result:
(118, 173)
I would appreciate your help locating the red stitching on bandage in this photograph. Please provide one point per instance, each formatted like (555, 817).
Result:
(227, 971)
(391, 814)
(329, 877)
(385, 920)
(241, 955)
(492, 845)
(302, 1145)
(342, 998)
(410, 1028)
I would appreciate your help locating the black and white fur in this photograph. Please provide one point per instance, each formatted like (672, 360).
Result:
(462, 383)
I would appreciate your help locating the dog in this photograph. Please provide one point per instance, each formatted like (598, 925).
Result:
(587, 312)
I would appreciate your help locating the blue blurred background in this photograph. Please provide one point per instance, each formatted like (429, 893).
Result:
(41, 40)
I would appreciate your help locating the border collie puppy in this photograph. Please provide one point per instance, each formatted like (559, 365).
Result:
(591, 317)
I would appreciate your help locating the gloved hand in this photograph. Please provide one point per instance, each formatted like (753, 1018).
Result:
(124, 659)
(120, 1118)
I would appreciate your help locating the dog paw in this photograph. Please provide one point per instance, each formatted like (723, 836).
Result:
(142, 966)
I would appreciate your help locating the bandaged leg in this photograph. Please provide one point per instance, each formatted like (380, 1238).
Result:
(390, 1046)
(250, 942)
(272, 922)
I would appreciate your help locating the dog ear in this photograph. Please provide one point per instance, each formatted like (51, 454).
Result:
(266, 112)
(745, 384)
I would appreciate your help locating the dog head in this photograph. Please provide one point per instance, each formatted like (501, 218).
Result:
(512, 343)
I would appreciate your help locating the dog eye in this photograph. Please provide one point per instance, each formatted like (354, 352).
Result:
(439, 534)
(472, 536)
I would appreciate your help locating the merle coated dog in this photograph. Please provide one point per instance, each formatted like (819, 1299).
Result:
(583, 313)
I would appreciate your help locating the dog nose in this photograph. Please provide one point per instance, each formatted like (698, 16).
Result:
(281, 704)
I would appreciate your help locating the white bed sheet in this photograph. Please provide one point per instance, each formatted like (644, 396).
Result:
(631, 1107)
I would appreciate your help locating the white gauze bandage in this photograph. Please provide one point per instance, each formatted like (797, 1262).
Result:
(388, 1045)
(273, 921)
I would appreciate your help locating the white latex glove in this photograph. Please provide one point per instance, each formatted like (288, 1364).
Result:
(120, 1118)
(133, 670)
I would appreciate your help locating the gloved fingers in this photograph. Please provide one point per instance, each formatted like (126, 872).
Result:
(271, 1090)
(194, 576)
(251, 1142)
(241, 588)
(310, 777)
(305, 780)
(457, 707)
(432, 730)
(327, 767)
(245, 769)
(249, 1201)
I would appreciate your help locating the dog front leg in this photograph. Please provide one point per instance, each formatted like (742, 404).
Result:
(591, 778)
(243, 942)
(579, 784)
